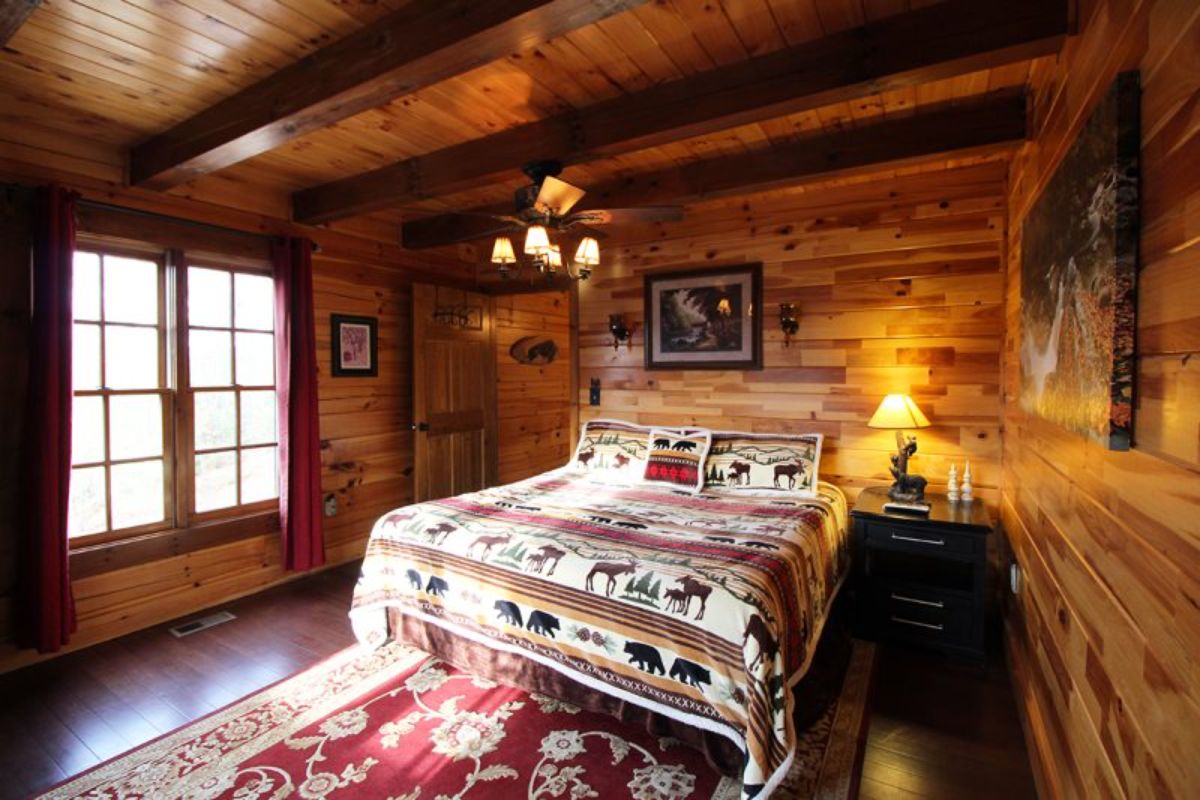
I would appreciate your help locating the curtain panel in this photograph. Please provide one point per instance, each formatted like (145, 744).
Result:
(296, 390)
(45, 605)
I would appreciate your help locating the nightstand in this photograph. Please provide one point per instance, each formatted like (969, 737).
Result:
(921, 579)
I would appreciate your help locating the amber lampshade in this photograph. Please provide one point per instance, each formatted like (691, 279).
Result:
(588, 254)
(898, 412)
(502, 251)
(537, 241)
(554, 257)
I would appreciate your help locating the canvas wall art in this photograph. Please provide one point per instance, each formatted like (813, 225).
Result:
(1079, 275)
(704, 319)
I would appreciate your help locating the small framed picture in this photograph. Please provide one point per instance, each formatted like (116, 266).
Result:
(355, 342)
(704, 319)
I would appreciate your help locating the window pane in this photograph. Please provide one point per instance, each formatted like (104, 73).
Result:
(208, 297)
(258, 417)
(215, 419)
(216, 481)
(87, 430)
(208, 358)
(130, 357)
(130, 290)
(134, 427)
(255, 359)
(254, 301)
(137, 494)
(87, 511)
(259, 477)
(86, 280)
(85, 357)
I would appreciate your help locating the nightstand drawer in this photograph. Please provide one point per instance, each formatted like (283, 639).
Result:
(922, 613)
(917, 539)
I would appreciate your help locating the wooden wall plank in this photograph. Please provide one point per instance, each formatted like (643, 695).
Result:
(1105, 633)
(899, 287)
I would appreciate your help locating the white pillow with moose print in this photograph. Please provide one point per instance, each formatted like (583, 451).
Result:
(612, 451)
(763, 464)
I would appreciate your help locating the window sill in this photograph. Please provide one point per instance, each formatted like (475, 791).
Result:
(87, 560)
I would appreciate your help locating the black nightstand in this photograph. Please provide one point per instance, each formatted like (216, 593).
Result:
(921, 579)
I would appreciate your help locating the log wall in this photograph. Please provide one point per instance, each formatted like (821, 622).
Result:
(535, 407)
(366, 444)
(1105, 635)
(899, 288)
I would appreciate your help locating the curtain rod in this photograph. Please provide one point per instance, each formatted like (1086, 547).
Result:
(83, 201)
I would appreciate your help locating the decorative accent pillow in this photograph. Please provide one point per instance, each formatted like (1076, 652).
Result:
(763, 463)
(612, 451)
(677, 458)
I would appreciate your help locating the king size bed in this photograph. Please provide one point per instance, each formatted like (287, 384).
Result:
(692, 609)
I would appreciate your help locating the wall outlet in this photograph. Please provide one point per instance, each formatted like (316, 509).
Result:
(594, 393)
(331, 505)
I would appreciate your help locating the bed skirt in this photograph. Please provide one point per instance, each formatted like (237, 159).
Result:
(812, 694)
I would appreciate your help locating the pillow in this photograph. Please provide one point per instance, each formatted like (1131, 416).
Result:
(763, 463)
(676, 459)
(612, 451)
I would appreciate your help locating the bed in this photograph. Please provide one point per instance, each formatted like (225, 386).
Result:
(699, 609)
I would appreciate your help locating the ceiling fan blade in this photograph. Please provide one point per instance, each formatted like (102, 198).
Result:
(446, 229)
(626, 216)
(557, 197)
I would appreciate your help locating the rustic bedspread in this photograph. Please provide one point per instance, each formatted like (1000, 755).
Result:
(703, 608)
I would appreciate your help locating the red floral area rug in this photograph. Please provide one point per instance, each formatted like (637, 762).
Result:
(397, 724)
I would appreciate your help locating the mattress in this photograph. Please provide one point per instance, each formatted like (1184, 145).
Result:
(705, 608)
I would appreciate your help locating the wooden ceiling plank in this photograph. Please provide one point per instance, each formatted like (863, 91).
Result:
(943, 41)
(990, 126)
(421, 44)
(13, 14)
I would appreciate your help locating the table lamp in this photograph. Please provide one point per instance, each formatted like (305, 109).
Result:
(898, 412)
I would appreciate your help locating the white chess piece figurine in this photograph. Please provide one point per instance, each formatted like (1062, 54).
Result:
(952, 485)
(967, 495)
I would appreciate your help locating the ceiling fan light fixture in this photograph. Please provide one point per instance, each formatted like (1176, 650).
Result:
(537, 241)
(588, 253)
(502, 251)
(554, 259)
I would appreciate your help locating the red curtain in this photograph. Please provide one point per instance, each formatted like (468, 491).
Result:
(296, 388)
(46, 608)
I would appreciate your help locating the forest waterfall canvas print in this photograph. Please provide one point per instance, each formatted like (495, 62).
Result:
(704, 319)
(1078, 278)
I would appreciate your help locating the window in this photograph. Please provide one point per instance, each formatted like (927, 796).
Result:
(174, 418)
(231, 360)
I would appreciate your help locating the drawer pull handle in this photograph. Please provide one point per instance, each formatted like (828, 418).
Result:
(918, 539)
(913, 622)
(918, 601)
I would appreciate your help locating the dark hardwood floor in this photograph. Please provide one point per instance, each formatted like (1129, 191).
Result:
(938, 729)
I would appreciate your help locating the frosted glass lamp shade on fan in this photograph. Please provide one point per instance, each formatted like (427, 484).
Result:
(588, 253)
(898, 412)
(537, 241)
(502, 251)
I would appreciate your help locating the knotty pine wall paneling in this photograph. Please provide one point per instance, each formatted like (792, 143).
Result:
(899, 288)
(1105, 635)
(534, 402)
(366, 451)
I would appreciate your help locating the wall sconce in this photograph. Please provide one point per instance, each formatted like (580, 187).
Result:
(620, 332)
(788, 322)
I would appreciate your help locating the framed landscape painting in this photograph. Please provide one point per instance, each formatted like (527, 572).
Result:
(355, 342)
(1079, 249)
(704, 319)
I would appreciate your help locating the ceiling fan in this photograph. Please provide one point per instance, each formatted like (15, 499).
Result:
(543, 207)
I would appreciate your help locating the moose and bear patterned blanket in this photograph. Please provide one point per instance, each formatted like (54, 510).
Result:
(705, 608)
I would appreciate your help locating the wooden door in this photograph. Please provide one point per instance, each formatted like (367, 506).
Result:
(454, 393)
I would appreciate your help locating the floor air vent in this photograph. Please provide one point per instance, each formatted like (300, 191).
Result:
(197, 625)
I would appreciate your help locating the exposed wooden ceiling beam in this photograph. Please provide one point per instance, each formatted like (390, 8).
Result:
(421, 44)
(995, 123)
(13, 14)
(939, 41)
